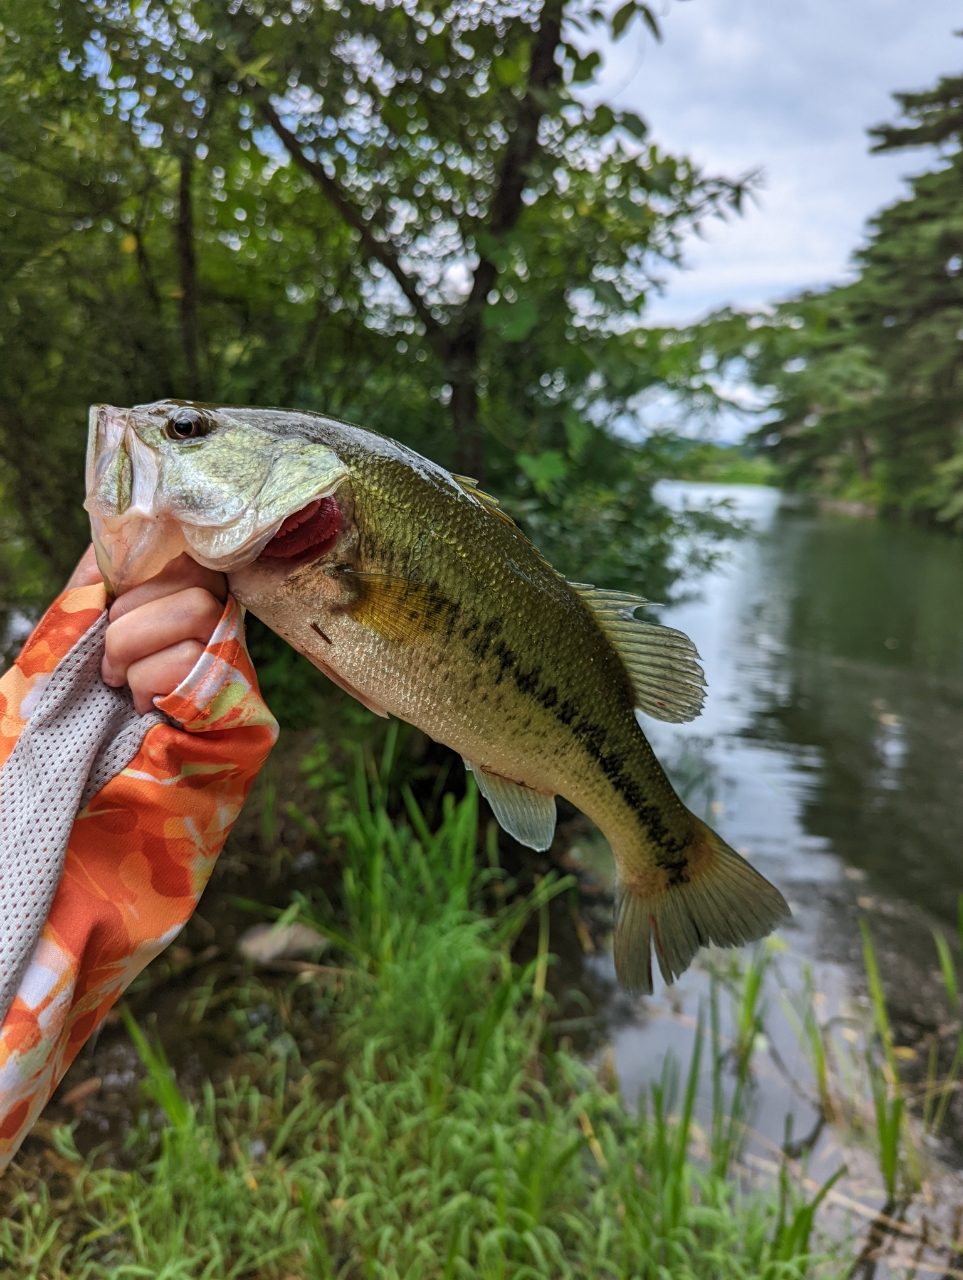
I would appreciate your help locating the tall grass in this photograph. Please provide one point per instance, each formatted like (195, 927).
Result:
(452, 1139)
(860, 1085)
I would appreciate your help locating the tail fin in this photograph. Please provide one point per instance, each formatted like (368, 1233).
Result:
(724, 902)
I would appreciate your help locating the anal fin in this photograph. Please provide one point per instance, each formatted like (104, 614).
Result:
(527, 815)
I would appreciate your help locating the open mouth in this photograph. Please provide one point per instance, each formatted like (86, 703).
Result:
(309, 532)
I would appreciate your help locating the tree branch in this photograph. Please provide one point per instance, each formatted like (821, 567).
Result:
(543, 75)
(377, 249)
(506, 206)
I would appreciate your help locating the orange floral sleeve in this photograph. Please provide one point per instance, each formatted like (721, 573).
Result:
(140, 852)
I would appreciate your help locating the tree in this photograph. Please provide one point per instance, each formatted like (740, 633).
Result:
(866, 379)
(396, 213)
(497, 218)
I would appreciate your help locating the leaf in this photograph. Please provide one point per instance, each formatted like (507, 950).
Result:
(608, 295)
(577, 433)
(544, 469)
(510, 71)
(603, 119)
(650, 20)
(394, 116)
(250, 69)
(622, 18)
(635, 124)
(512, 321)
(585, 67)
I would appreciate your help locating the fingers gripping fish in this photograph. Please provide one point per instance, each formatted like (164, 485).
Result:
(411, 590)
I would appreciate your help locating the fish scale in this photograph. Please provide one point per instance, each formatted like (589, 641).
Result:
(515, 733)
(428, 603)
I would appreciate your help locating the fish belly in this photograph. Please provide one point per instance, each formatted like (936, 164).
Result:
(440, 690)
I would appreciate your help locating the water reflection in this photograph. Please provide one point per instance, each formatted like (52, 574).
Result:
(834, 654)
(830, 753)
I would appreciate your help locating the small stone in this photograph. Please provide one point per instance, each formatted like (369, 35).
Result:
(265, 943)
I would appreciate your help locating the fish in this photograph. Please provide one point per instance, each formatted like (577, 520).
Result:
(412, 590)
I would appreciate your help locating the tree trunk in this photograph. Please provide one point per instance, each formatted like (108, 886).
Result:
(864, 456)
(460, 353)
(468, 456)
(187, 264)
(463, 350)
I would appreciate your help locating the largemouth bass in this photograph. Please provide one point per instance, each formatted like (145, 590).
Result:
(413, 591)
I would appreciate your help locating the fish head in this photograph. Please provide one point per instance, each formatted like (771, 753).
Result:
(218, 482)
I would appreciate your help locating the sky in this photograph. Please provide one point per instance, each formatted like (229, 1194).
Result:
(788, 87)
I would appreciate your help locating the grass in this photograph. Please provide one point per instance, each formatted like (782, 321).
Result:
(447, 1136)
(860, 1074)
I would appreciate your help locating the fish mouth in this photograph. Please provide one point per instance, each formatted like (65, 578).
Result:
(222, 496)
(307, 533)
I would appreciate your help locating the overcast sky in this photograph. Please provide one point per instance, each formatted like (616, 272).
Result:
(788, 86)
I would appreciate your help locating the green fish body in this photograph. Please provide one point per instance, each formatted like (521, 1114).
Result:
(411, 590)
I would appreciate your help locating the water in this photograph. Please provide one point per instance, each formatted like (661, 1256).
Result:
(829, 753)
(833, 733)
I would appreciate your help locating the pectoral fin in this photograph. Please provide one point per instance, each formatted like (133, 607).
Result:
(401, 611)
(527, 815)
(662, 663)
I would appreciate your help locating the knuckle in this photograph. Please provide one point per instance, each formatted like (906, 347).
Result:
(115, 640)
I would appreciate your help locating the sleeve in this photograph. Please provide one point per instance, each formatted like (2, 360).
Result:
(139, 855)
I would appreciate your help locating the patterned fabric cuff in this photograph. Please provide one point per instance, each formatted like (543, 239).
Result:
(70, 616)
(221, 691)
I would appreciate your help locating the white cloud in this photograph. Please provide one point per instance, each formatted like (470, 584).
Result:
(789, 87)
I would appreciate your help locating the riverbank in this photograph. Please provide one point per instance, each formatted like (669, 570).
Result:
(826, 754)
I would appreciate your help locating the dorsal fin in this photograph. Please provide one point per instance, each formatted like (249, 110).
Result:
(470, 486)
(663, 663)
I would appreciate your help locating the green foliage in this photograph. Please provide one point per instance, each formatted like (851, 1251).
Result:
(939, 1092)
(888, 1098)
(454, 1139)
(390, 213)
(711, 463)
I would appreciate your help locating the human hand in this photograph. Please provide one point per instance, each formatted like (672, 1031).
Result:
(158, 629)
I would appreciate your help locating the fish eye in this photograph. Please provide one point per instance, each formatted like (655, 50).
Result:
(186, 424)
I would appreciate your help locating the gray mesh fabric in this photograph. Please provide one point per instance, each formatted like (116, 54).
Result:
(80, 734)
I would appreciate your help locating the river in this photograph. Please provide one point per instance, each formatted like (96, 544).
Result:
(829, 753)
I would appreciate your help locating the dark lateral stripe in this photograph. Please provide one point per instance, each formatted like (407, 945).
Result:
(484, 643)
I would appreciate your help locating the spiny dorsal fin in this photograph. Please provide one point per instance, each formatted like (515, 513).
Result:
(398, 610)
(663, 663)
(527, 815)
(470, 486)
